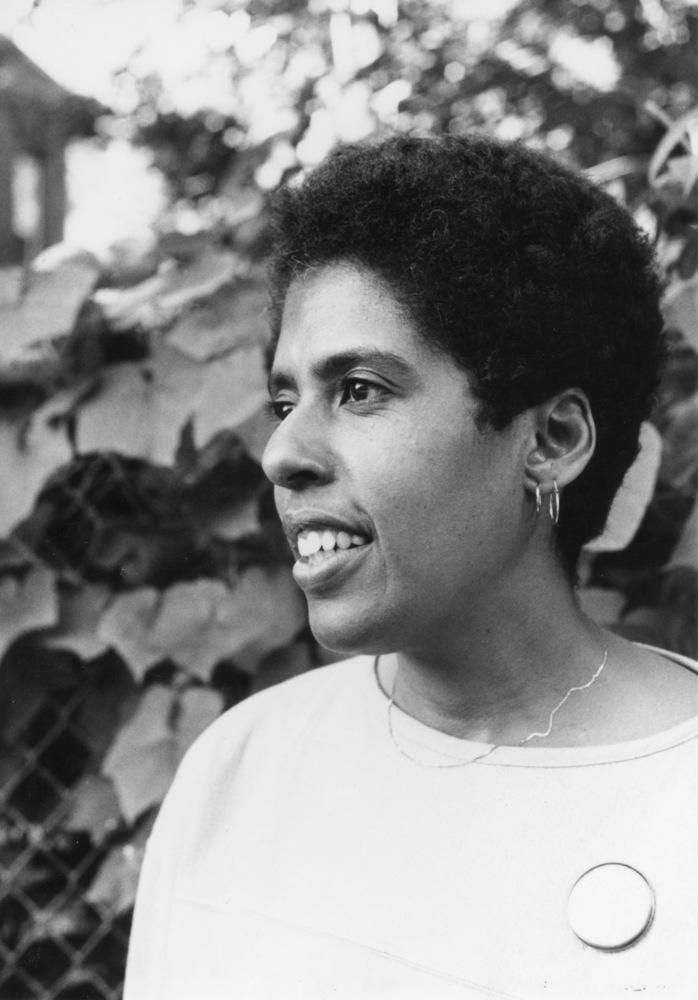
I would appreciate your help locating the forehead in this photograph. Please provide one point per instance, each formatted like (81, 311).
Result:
(341, 309)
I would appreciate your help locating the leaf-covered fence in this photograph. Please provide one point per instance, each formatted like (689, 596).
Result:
(144, 583)
(68, 872)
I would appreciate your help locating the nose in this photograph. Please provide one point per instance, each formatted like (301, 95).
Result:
(297, 454)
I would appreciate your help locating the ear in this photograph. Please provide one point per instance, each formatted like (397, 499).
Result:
(562, 441)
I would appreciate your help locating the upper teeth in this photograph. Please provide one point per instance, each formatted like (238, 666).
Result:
(310, 542)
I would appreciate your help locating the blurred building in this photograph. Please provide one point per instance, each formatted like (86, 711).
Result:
(38, 118)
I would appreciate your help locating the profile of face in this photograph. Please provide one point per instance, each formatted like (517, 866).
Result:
(399, 509)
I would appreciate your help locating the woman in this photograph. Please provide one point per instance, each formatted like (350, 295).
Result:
(491, 796)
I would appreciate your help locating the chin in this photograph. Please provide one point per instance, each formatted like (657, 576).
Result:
(351, 634)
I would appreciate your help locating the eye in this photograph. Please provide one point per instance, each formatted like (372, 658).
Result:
(279, 409)
(359, 390)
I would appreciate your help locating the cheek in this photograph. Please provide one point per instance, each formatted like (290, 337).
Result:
(444, 505)
(428, 502)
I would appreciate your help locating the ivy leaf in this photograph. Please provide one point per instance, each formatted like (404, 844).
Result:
(686, 551)
(156, 302)
(114, 888)
(661, 166)
(142, 409)
(14, 556)
(255, 431)
(141, 761)
(29, 453)
(234, 315)
(94, 807)
(196, 278)
(235, 523)
(270, 611)
(11, 281)
(26, 604)
(683, 170)
(680, 308)
(198, 624)
(110, 698)
(232, 390)
(144, 756)
(678, 606)
(633, 497)
(642, 624)
(680, 453)
(28, 682)
(688, 261)
(132, 259)
(50, 923)
(58, 284)
(198, 708)
(146, 626)
(80, 611)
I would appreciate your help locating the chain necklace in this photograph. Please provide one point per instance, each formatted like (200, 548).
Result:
(490, 750)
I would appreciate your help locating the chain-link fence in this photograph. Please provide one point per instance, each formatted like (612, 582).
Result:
(67, 869)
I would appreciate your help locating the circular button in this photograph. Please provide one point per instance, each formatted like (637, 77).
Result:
(610, 906)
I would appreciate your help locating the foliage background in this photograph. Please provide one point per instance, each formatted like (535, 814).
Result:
(144, 585)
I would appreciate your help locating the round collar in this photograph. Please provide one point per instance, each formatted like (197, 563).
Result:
(431, 747)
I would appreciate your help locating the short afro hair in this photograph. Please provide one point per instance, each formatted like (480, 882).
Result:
(530, 277)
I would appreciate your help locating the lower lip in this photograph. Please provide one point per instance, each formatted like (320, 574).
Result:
(333, 570)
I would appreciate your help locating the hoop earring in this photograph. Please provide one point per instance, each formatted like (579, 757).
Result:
(539, 499)
(554, 503)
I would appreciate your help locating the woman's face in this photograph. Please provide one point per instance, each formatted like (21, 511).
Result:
(400, 512)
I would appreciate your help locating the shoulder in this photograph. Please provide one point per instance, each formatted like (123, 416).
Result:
(280, 711)
(667, 654)
(252, 740)
(647, 691)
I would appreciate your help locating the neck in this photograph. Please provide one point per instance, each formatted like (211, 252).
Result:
(498, 673)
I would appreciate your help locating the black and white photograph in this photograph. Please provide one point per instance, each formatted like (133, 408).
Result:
(348, 507)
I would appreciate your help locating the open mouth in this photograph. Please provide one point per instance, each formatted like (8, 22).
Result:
(319, 544)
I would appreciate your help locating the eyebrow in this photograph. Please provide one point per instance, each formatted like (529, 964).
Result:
(329, 368)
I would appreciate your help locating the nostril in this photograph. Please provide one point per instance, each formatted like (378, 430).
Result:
(300, 479)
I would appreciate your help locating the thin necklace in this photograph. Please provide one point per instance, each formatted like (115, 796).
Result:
(490, 750)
